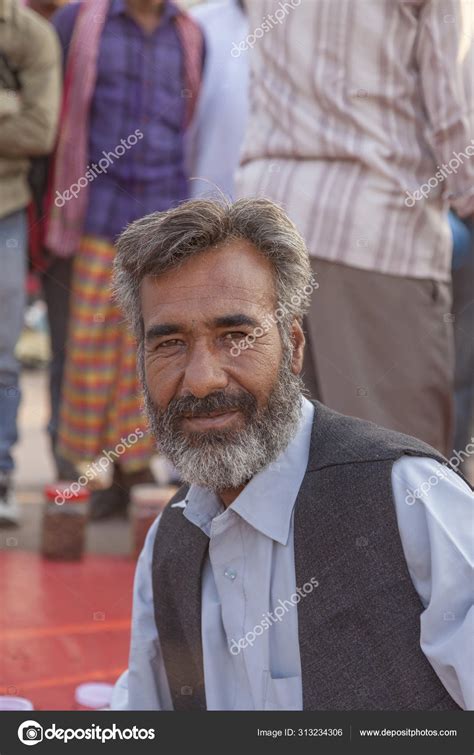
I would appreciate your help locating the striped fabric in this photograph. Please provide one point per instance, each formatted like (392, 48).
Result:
(354, 103)
(100, 404)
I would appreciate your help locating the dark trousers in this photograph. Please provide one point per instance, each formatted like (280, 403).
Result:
(382, 349)
(463, 310)
(57, 289)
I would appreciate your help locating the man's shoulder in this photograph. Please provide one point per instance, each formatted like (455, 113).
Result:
(33, 40)
(30, 27)
(341, 439)
(173, 507)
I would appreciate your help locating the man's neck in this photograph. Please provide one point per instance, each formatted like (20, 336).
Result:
(146, 13)
(228, 496)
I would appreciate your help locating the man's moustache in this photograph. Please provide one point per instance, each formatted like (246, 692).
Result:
(190, 407)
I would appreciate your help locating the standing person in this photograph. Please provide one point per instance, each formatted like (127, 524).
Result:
(361, 126)
(132, 77)
(56, 273)
(215, 136)
(29, 107)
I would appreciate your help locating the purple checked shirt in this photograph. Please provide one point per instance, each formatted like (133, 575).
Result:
(140, 83)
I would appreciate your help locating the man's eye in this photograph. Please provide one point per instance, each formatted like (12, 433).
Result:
(234, 335)
(169, 344)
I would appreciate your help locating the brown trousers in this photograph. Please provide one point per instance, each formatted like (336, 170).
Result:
(381, 347)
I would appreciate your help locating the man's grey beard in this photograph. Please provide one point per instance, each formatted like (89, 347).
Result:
(221, 460)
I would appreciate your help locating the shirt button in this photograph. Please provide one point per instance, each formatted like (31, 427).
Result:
(230, 574)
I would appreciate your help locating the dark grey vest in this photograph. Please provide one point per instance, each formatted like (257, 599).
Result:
(359, 633)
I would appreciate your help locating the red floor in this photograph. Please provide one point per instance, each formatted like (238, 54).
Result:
(62, 624)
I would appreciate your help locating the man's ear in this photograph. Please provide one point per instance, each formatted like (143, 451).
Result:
(298, 343)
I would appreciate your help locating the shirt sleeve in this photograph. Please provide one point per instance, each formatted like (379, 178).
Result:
(435, 513)
(31, 130)
(445, 56)
(144, 685)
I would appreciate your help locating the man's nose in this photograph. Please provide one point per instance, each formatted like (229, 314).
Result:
(204, 372)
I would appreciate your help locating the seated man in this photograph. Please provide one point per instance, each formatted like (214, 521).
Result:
(295, 566)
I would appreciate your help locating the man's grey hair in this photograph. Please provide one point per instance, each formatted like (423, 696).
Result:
(165, 240)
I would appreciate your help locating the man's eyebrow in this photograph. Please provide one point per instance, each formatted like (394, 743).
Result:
(225, 321)
(231, 321)
(167, 329)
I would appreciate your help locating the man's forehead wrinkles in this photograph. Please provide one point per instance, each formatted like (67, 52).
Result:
(209, 297)
(205, 285)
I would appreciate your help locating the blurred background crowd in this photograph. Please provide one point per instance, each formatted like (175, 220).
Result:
(356, 115)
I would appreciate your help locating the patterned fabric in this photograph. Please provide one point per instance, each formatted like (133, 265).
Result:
(65, 223)
(354, 103)
(128, 97)
(100, 404)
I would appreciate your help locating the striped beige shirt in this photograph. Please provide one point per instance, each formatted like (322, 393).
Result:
(361, 125)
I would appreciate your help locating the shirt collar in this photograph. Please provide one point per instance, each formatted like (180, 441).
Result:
(267, 501)
(170, 10)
